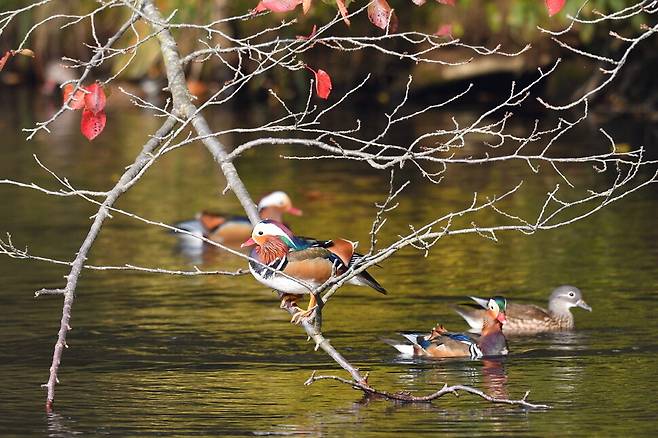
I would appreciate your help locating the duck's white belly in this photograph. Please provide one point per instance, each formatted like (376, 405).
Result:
(283, 284)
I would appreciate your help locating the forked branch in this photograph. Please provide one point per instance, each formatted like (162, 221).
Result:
(407, 397)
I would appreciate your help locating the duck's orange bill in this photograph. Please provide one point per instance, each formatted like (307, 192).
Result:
(295, 211)
(249, 242)
(502, 318)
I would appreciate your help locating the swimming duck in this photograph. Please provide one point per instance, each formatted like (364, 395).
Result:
(441, 343)
(230, 229)
(276, 250)
(524, 319)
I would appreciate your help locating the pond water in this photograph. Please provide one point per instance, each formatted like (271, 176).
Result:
(205, 356)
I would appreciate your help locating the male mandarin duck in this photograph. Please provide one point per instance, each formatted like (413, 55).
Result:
(441, 343)
(525, 319)
(236, 229)
(276, 249)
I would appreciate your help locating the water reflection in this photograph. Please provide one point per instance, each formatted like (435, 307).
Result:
(213, 355)
(59, 426)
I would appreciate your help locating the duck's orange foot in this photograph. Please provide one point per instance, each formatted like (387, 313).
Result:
(304, 315)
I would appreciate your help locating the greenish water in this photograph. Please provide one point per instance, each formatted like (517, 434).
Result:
(207, 356)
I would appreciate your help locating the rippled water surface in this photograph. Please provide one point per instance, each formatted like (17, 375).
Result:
(206, 356)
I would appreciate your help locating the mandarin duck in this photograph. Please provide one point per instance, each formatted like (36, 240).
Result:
(441, 343)
(230, 229)
(525, 319)
(276, 250)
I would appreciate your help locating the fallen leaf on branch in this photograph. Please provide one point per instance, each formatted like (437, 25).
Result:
(445, 30)
(92, 124)
(78, 101)
(4, 59)
(95, 99)
(554, 6)
(322, 83)
(276, 5)
(343, 11)
(382, 16)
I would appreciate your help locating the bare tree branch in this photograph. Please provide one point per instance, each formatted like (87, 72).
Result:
(407, 397)
(81, 257)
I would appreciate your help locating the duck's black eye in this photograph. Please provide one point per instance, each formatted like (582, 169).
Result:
(260, 233)
(571, 294)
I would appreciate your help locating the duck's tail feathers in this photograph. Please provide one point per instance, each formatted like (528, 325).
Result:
(406, 349)
(190, 240)
(365, 279)
(473, 318)
(193, 226)
(481, 302)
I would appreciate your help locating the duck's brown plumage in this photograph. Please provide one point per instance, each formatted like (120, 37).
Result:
(526, 319)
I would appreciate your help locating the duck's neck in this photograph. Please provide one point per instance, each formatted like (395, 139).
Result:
(271, 250)
(273, 213)
(491, 326)
(560, 311)
(492, 342)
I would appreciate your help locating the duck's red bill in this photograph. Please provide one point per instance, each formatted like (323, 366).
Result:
(502, 318)
(295, 211)
(249, 242)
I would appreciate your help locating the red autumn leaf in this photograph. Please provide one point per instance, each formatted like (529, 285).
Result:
(554, 6)
(419, 2)
(4, 59)
(343, 11)
(322, 82)
(95, 98)
(276, 5)
(447, 2)
(78, 101)
(92, 124)
(445, 30)
(382, 16)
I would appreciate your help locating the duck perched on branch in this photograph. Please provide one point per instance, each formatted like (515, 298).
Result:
(526, 319)
(441, 343)
(235, 229)
(309, 262)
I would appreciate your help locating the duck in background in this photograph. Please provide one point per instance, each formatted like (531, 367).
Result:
(528, 319)
(275, 250)
(234, 229)
(441, 343)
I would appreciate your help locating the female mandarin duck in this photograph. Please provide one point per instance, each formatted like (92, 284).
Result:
(276, 250)
(524, 319)
(236, 229)
(441, 343)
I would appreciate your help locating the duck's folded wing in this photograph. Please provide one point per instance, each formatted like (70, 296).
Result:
(454, 345)
(314, 264)
(526, 312)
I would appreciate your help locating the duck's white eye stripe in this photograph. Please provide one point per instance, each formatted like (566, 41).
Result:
(493, 305)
